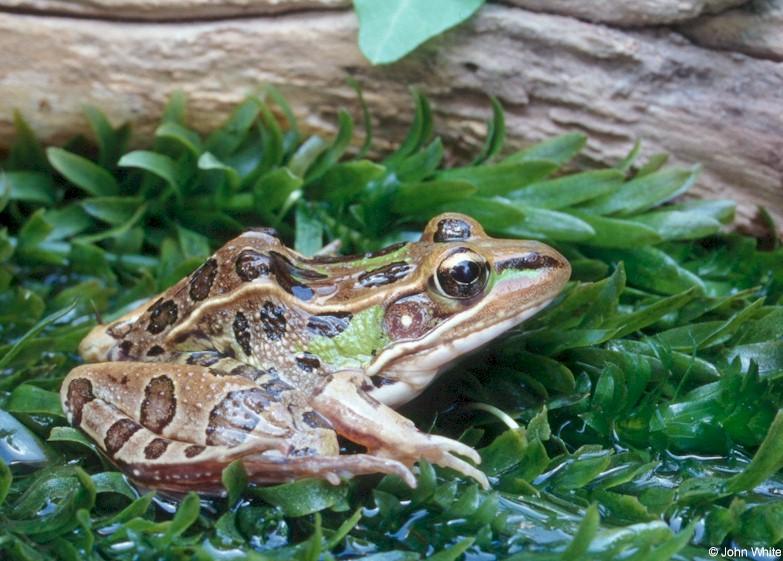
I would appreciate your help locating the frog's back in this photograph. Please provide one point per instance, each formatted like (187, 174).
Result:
(260, 303)
(158, 327)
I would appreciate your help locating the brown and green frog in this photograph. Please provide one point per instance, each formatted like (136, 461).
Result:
(266, 356)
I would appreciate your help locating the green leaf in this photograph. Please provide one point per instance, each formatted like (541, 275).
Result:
(418, 133)
(28, 186)
(613, 232)
(302, 497)
(26, 152)
(157, 164)
(558, 150)
(83, 173)
(678, 225)
(419, 198)
(111, 141)
(208, 161)
(234, 478)
(569, 190)
(193, 245)
(19, 344)
(175, 108)
(584, 536)
(768, 356)
(186, 516)
(114, 482)
(333, 153)
(653, 269)
(767, 460)
(228, 137)
(5, 481)
(273, 190)
(343, 182)
(558, 226)
(421, 165)
(496, 134)
(452, 553)
(389, 30)
(309, 231)
(306, 154)
(114, 210)
(494, 214)
(187, 138)
(33, 400)
(74, 436)
(644, 192)
(500, 179)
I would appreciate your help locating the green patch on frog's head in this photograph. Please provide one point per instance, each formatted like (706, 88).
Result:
(476, 288)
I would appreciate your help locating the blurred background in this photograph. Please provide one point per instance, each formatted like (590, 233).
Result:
(699, 79)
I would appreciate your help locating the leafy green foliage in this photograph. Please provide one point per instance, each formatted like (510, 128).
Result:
(637, 417)
(391, 29)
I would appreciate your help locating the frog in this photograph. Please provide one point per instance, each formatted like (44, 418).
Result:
(295, 366)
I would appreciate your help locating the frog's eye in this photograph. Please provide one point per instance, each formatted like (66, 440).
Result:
(462, 274)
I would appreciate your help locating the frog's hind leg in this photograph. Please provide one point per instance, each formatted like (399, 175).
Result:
(176, 427)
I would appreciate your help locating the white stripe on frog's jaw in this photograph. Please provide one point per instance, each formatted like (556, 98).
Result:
(413, 365)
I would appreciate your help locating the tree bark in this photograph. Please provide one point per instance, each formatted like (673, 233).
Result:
(702, 97)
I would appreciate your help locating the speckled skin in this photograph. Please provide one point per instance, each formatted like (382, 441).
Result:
(266, 356)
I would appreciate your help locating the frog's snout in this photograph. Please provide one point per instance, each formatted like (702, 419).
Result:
(96, 345)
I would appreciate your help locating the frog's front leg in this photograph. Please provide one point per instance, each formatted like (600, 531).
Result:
(344, 400)
(176, 427)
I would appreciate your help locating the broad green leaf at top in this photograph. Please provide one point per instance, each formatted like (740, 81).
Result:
(390, 29)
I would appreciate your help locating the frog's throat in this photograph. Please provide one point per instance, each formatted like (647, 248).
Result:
(419, 361)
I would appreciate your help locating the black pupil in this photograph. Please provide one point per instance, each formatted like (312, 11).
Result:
(465, 272)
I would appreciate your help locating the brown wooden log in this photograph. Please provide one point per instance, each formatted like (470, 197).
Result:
(553, 73)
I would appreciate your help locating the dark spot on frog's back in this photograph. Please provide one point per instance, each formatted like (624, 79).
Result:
(315, 421)
(242, 332)
(308, 362)
(124, 350)
(528, 262)
(118, 434)
(329, 325)
(194, 450)
(292, 278)
(251, 264)
(202, 280)
(159, 405)
(275, 387)
(204, 358)
(156, 448)
(155, 350)
(273, 321)
(243, 371)
(451, 230)
(79, 393)
(385, 275)
(163, 313)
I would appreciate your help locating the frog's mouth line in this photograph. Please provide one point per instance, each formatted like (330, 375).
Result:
(420, 361)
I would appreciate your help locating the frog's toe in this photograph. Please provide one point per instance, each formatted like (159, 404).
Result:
(456, 447)
(461, 466)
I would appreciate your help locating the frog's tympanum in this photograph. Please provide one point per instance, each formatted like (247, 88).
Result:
(267, 356)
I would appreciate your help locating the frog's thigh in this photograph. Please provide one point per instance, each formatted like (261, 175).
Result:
(176, 427)
(344, 400)
(188, 403)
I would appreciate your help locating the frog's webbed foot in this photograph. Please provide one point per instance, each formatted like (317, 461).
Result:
(345, 402)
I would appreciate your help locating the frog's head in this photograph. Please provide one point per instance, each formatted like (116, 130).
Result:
(471, 288)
